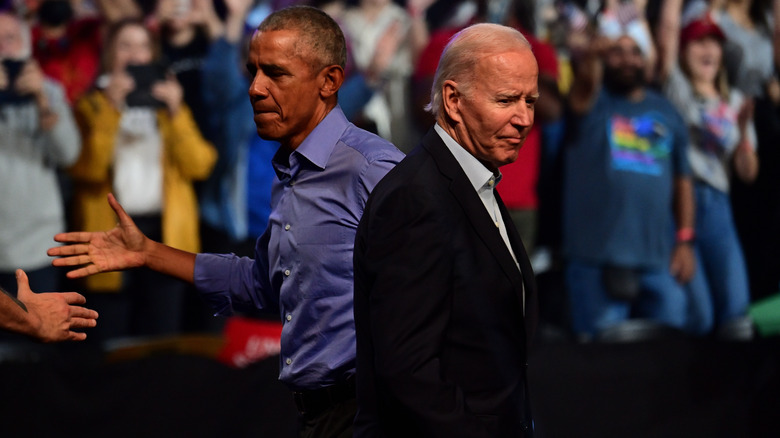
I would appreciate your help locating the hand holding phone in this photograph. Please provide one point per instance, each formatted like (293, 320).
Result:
(117, 87)
(169, 92)
(144, 77)
(30, 79)
(11, 69)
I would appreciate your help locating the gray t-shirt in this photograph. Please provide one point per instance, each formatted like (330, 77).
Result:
(713, 131)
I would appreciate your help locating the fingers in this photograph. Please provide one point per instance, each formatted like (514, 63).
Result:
(682, 271)
(72, 237)
(78, 260)
(76, 336)
(69, 250)
(22, 283)
(86, 271)
(83, 322)
(73, 298)
(84, 313)
(124, 218)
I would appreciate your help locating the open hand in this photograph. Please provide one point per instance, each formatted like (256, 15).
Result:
(54, 315)
(102, 251)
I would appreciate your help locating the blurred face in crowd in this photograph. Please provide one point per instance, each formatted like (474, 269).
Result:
(624, 66)
(132, 45)
(11, 43)
(175, 14)
(495, 112)
(702, 58)
(285, 88)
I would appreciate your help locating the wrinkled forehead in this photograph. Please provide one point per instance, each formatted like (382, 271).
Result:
(517, 62)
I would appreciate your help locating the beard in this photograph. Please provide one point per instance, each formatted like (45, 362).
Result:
(623, 80)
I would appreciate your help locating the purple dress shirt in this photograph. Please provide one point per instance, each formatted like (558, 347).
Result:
(303, 261)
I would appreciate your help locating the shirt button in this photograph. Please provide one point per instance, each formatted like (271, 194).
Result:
(288, 361)
(287, 272)
(289, 317)
(287, 227)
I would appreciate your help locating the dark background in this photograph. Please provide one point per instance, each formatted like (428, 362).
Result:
(665, 388)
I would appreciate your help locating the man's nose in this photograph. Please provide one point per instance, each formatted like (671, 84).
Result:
(258, 88)
(524, 114)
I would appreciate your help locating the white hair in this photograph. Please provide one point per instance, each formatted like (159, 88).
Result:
(460, 56)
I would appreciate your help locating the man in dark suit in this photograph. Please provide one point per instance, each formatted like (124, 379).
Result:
(444, 292)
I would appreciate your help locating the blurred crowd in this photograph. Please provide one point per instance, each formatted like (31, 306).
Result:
(647, 189)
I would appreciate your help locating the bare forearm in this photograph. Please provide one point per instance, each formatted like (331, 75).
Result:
(684, 206)
(586, 84)
(746, 163)
(170, 261)
(668, 36)
(234, 28)
(14, 315)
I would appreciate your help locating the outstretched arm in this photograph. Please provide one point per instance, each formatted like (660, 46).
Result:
(48, 317)
(588, 70)
(123, 247)
(668, 36)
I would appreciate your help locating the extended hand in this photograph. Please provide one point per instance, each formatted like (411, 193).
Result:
(102, 251)
(53, 315)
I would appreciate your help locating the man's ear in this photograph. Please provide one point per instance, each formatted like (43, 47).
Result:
(451, 99)
(331, 77)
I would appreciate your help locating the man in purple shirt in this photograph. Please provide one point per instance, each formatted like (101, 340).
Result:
(326, 168)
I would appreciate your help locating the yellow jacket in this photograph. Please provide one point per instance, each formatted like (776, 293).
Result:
(186, 157)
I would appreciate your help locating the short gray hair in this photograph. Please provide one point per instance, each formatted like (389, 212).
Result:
(322, 41)
(459, 58)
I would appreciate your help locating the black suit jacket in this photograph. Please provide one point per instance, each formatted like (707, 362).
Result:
(441, 336)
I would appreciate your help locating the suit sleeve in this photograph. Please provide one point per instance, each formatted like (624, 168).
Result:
(404, 268)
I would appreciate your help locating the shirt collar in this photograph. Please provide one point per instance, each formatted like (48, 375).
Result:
(479, 175)
(319, 144)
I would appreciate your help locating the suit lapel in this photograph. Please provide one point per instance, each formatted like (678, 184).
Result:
(525, 266)
(467, 197)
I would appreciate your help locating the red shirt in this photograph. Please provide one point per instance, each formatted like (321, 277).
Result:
(73, 60)
(429, 57)
(518, 183)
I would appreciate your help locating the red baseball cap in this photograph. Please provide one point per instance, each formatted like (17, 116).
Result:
(700, 28)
